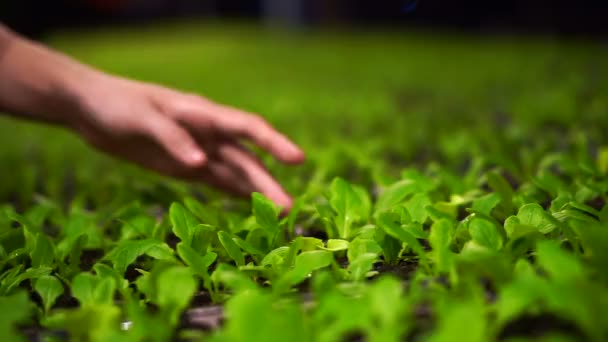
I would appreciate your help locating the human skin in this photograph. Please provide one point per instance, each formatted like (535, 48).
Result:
(173, 133)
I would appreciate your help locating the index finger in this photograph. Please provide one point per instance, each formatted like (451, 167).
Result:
(237, 123)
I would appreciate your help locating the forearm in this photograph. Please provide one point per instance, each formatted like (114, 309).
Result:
(39, 84)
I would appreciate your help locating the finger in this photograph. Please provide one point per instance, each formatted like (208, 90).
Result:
(255, 173)
(260, 132)
(234, 122)
(176, 141)
(224, 177)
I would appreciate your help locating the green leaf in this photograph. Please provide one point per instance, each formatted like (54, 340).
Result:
(49, 288)
(485, 233)
(360, 246)
(310, 243)
(594, 238)
(176, 286)
(335, 245)
(534, 215)
(602, 160)
(204, 213)
(265, 213)
(387, 223)
(105, 271)
(416, 206)
(360, 267)
(75, 251)
(391, 247)
(442, 211)
(160, 251)
(440, 239)
(349, 206)
(395, 194)
(387, 307)
(137, 225)
(248, 247)
(202, 237)
(199, 264)
(127, 251)
(144, 325)
(313, 260)
(417, 230)
(82, 288)
(232, 279)
(80, 223)
(560, 202)
(90, 290)
(43, 253)
(584, 208)
(91, 323)
(522, 238)
(16, 309)
(298, 204)
(461, 321)
(559, 264)
(424, 183)
(183, 222)
(231, 248)
(276, 257)
(306, 263)
(502, 188)
(366, 202)
(8, 277)
(30, 273)
(297, 245)
(103, 294)
(258, 316)
(486, 203)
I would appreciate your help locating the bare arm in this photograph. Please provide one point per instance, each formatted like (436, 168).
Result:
(36, 82)
(174, 133)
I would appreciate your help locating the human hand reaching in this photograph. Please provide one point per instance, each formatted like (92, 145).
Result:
(184, 136)
(173, 133)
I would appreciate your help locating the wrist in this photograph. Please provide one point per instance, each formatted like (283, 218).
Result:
(6, 39)
(41, 84)
(78, 84)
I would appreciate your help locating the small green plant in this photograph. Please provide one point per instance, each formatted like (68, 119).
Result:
(447, 196)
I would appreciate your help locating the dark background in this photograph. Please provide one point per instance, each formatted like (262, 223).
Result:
(555, 17)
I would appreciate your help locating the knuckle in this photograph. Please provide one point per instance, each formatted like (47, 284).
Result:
(183, 107)
(179, 140)
(192, 98)
(180, 106)
(195, 100)
(151, 127)
(180, 103)
(257, 122)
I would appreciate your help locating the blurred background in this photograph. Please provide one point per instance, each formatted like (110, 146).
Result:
(559, 17)
(365, 87)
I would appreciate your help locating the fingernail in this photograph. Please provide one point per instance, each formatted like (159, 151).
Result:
(286, 205)
(294, 151)
(197, 157)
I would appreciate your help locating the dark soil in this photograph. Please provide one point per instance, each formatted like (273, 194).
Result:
(202, 298)
(596, 203)
(540, 325)
(90, 257)
(205, 318)
(403, 270)
(41, 334)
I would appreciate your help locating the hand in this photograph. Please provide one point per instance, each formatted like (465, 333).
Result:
(173, 133)
(183, 135)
